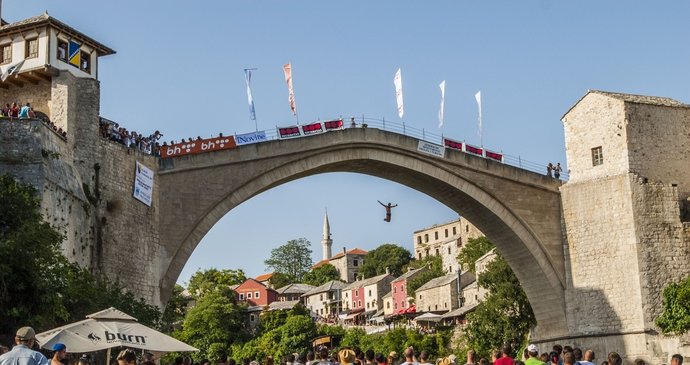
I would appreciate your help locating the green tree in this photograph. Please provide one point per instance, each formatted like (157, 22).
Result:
(271, 320)
(279, 280)
(675, 317)
(292, 258)
(321, 275)
(204, 281)
(388, 255)
(213, 324)
(433, 268)
(505, 315)
(474, 249)
(175, 310)
(38, 286)
(32, 263)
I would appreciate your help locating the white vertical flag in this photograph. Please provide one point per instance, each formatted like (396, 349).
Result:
(443, 97)
(398, 93)
(250, 99)
(478, 96)
(287, 70)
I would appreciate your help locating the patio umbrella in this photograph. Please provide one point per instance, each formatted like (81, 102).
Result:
(107, 329)
(428, 317)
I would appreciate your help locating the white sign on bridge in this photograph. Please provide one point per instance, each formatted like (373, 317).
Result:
(430, 148)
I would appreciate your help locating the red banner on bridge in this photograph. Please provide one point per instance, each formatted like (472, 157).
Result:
(313, 128)
(198, 146)
(333, 124)
(452, 144)
(493, 155)
(474, 150)
(289, 132)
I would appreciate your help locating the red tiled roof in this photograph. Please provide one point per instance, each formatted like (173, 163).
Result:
(264, 277)
(354, 251)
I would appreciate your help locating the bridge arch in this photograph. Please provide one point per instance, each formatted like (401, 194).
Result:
(518, 211)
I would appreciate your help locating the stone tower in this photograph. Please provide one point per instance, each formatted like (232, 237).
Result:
(625, 214)
(326, 242)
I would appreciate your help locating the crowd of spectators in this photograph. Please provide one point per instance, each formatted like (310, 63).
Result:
(131, 139)
(15, 112)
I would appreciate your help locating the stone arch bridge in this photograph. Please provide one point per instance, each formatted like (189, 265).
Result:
(518, 210)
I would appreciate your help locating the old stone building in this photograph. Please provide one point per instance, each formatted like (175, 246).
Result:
(445, 240)
(442, 294)
(625, 211)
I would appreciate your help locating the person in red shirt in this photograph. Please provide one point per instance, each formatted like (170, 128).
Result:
(505, 359)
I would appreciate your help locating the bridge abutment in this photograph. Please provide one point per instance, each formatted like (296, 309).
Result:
(623, 220)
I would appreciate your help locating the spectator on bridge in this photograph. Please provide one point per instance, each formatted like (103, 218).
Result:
(353, 124)
(557, 171)
(14, 110)
(549, 168)
(7, 110)
(24, 111)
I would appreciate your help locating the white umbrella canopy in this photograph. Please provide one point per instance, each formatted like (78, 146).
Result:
(107, 329)
(429, 317)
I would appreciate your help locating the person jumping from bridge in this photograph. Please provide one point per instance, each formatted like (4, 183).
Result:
(388, 210)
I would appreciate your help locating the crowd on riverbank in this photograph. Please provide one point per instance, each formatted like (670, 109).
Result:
(25, 340)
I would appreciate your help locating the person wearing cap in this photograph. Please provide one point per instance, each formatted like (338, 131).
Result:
(22, 354)
(59, 354)
(533, 353)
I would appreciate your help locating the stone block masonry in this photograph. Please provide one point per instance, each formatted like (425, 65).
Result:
(86, 184)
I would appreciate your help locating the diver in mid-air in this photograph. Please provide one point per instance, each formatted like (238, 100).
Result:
(388, 210)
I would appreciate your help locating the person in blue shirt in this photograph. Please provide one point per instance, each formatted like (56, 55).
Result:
(24, 111)
(22, 354)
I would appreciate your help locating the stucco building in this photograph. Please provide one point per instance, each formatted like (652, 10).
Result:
(325, 300)
(445, 240)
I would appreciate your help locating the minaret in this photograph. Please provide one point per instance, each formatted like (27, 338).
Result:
(326, 242)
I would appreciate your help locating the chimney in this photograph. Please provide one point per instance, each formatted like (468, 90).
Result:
(388, 271)
(344, 250)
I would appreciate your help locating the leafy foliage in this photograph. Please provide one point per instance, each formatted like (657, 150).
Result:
(279, 280)
(321, 275)
(203, 282)
(175, 310)
(271, 320)
(294, 334)
(505, 315)
(212, 324)
(292, 259)
(675, 318)
(388, 255)
(433, 269)
(474, 249)
(38, 286)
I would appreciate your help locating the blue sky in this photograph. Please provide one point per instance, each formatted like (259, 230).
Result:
(178, 68)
